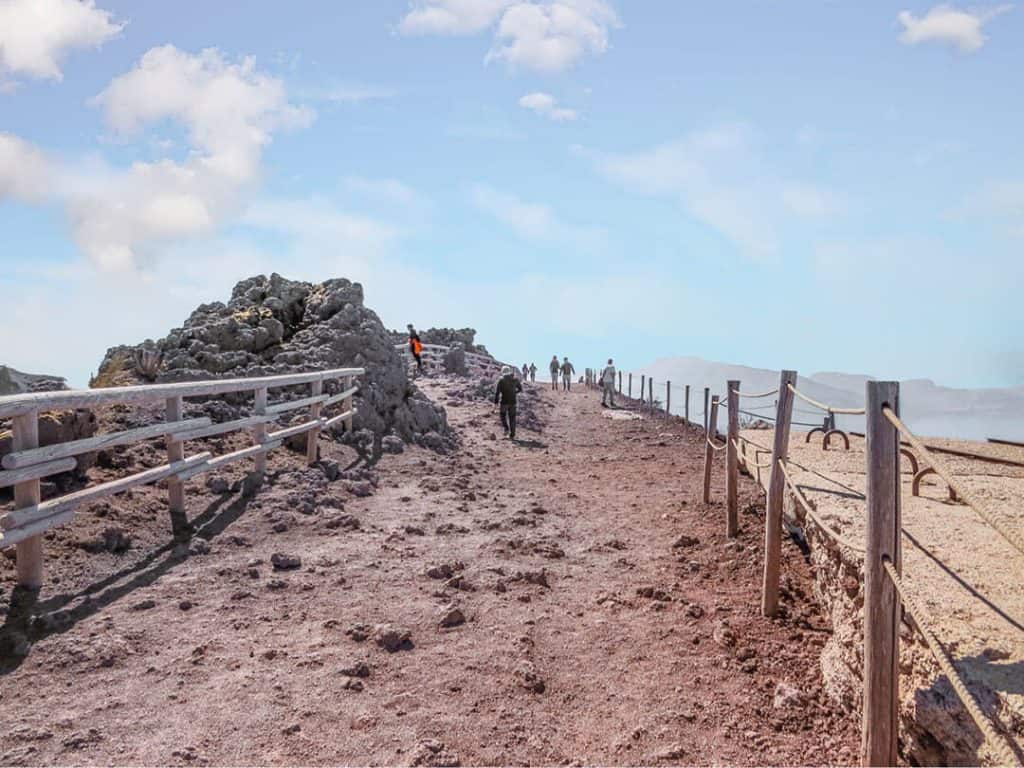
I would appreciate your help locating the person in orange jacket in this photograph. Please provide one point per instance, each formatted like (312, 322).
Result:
(416, 348)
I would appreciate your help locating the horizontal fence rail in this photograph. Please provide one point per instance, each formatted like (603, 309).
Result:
(28, 462)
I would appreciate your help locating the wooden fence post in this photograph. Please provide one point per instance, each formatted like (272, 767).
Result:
(709, 452)
(707, 394)
(259, 432)
(732, 475)
(668, 398)
(776, 488)
(686, 405)
(643, 384)
(315, 388)
(28, 553)
(630, 391)
(349, 404)
(650, 394)
(175, 487)
(880, 726)
(620, 382)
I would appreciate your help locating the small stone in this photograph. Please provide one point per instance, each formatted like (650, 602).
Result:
(217, 484)
(144, 605)
(393, 639)
(185, 605)
(359, 632)
(685, 541)
(356, 669)
(527, 677)
(452, 617)
(694, 611)
(352, 684)
(294, 728)
(283, 562)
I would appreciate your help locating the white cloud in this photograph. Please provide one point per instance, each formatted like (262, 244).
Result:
(551, 37)
(35, 35)
(546, 105)
(532, 221)
(385, 190)
(25, 172)
(119, 216)
(721, 180)
(541, 35)
(451, 17)
(946, 24)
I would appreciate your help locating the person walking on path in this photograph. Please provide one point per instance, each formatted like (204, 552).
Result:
(416, 348)
(554, 367)
(533, 373)
(505, 395)
(608, 385)
(526, 371)
(567, 372)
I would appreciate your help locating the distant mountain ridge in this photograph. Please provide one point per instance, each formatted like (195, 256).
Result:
(927, 407)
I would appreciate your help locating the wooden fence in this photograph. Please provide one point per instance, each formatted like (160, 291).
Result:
(885, 594)
(28, 463)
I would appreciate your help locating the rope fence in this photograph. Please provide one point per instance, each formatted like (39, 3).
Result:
(922, 621)
(884, 593)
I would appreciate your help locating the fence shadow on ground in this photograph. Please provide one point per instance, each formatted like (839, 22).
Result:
(30, 619)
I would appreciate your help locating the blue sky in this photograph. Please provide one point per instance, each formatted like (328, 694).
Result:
(818, 186)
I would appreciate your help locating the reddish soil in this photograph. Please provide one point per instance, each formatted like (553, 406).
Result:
(607, 618)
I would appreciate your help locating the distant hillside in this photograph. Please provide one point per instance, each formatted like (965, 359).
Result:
(13, 382)
(930, 409)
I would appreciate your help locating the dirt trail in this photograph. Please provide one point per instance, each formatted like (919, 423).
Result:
(606, 618)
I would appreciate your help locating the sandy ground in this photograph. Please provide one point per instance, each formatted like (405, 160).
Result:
(968, 577)
(602, 617)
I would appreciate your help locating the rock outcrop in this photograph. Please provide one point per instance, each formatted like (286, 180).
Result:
(14, 382)
(272, 325)
(446, 337)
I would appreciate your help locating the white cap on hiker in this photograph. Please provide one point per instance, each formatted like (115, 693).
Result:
(505, 370)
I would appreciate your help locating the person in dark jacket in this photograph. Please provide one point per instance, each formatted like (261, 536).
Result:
(506, 394)
(554, 367)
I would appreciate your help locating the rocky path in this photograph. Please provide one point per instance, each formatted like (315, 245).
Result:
(564, 599)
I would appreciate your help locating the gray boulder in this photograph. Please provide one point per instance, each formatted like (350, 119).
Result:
(272, 325)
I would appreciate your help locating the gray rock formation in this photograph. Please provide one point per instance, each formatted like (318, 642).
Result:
(272, 325)
(14, 382)
(446, 337)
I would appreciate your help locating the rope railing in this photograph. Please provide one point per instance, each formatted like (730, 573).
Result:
(838, 538)
(721, 447)
(825, 406)
(1000, 744)
(990, 517)
(753, 395)
(748, 461)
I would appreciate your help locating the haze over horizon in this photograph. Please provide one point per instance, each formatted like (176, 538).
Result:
(827, 187)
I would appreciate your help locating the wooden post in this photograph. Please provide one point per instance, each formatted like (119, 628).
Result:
(709, 452)
(349, 403)
(28, 553)
(643, 383)
(732, 469)
(620, 382)
(259, 432)
(881, 602)
(630, 391)
(668, 398)
(776, 488)
(686, 405)
(315, 388)
(650, 394)
(707, 394)
(174, 407)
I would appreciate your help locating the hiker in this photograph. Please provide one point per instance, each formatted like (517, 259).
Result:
(567, 372)
(505, 394)
(554, 367)
(526, 371)
(416, 348)
(533, 373)
(608, 385)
